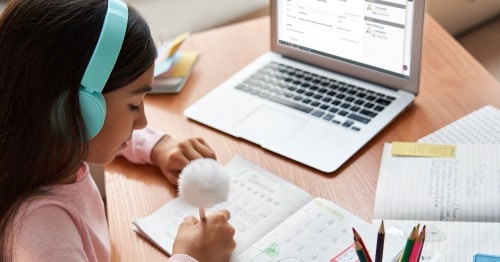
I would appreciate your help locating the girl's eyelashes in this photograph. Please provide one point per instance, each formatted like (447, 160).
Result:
(134, 108)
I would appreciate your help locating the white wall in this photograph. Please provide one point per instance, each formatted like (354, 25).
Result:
(168, 18)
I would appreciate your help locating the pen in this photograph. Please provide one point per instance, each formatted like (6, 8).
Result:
(408, 246)
(380, 243)
(358, 239)
(417, 247)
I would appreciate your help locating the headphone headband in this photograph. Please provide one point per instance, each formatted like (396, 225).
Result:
(92, 102)
(108, 47)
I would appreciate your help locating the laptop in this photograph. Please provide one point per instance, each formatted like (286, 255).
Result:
(338, 72)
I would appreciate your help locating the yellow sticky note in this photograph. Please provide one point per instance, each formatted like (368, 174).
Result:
(185, 64)
(168, 50)
(423, 150)
(176, 44)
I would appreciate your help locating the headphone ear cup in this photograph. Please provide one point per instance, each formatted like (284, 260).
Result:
(93, 108)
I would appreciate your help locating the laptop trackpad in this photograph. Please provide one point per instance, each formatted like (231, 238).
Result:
(266, 125)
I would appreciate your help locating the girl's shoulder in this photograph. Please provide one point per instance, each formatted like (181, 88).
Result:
(44, 208)
(49, 227)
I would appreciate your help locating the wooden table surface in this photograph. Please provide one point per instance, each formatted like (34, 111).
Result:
(453, 84)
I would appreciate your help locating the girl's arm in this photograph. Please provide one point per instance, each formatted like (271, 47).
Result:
(149, 146)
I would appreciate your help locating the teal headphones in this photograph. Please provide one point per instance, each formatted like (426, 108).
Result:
(92, 103)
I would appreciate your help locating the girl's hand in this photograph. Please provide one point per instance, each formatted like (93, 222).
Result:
(211, 239)
(172, 155)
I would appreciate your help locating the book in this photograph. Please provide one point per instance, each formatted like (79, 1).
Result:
(168, 53)
(173, 66)
(274, 221)
(457, 198)
(174, 81)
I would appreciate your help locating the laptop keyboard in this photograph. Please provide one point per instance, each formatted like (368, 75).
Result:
(331, 100)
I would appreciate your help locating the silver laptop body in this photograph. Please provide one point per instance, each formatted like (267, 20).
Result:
(358, 61)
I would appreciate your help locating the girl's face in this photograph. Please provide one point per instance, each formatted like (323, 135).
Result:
(124, 113)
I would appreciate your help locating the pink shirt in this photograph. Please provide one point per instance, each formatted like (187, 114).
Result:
(68, 223)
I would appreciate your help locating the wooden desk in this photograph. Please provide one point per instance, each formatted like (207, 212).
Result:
(453, 84)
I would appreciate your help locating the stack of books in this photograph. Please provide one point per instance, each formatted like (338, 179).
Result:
(173, 66)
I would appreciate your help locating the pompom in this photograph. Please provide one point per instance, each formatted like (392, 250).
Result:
(204, 183)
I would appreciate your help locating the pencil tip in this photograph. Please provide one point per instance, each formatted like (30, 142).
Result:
(382, 228)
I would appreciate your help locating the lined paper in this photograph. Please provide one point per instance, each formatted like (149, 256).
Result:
(459, 196)
(465, 188)
(480, 126)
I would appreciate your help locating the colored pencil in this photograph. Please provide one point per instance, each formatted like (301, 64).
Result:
(360, 252)
(417, 247)
(422, 247)
(358, 238)
(380, 243)
(409, 246)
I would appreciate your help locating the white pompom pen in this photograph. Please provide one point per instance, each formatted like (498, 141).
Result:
(203, 183)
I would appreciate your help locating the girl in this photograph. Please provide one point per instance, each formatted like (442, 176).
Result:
(50, 207)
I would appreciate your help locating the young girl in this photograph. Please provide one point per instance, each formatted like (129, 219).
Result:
(50, 207)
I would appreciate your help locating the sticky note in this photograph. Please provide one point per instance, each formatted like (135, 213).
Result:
(168, 54)
(423, 150)
(176, 43)
(184, 64)
(485, 258)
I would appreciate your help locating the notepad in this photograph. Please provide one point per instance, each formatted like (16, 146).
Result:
(480, 126)
(174, 81)
(274, 221)
(458, 199)
(173, 66)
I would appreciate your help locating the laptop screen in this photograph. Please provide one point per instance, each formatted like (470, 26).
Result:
(373, 34)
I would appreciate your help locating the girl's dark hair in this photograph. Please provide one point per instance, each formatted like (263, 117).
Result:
(45, 46)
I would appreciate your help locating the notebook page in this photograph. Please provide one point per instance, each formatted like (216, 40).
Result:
(320, 231)
(450, 241)
(464, 188)
(480, 126)
(258, 201)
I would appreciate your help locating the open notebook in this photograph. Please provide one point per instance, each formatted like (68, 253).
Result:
(338, 72)
(274, 221)
(457, 198)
